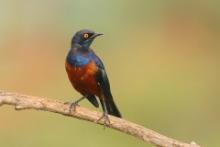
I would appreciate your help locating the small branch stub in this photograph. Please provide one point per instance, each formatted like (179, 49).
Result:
(21, 102)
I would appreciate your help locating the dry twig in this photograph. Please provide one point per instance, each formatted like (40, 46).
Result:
(30, 102)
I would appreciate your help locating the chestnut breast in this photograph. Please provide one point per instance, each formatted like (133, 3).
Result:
(83, 78)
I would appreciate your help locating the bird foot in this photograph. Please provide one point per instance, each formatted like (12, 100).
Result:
(106, 120)
(72, 107)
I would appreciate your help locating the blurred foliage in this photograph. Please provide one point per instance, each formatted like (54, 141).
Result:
(162, 58)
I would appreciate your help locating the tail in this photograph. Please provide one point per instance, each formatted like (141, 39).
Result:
(111, 106)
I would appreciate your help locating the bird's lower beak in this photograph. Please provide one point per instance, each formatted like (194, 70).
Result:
(97, 34)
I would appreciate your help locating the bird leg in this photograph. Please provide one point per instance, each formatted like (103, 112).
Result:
(104, 115)
(106, 120)
(74, 104)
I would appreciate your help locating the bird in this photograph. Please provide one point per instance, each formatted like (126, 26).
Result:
(87, 74)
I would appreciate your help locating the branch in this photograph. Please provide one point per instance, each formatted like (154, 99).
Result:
(21, 102)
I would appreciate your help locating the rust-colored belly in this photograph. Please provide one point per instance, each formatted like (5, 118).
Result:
(83, 78)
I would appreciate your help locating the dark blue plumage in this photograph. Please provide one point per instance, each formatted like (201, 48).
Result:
(79, 60)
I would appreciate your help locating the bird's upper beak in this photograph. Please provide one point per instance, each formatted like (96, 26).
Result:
(95, 35)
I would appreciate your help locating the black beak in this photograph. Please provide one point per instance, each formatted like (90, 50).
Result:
(96, 35)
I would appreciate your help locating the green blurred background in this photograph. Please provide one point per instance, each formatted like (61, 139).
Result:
(162, 59)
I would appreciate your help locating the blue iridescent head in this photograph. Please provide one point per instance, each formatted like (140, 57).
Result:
(84, 38)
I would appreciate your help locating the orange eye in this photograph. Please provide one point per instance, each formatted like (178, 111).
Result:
(85, 35)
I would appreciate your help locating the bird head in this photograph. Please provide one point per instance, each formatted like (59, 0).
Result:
(84, 38)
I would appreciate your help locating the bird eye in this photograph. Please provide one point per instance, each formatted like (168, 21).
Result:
(86, 35)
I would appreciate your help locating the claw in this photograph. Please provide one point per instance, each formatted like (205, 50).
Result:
(106, 120)
(73, 106)
(67, 103)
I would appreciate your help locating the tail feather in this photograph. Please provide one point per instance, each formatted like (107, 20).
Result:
(111, 107)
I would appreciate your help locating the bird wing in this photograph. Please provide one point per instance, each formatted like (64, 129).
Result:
(103, 81)
(101, 75)
(92, 99)
(107, 98)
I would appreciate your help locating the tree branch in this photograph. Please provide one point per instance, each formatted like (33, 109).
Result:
(21, 102)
